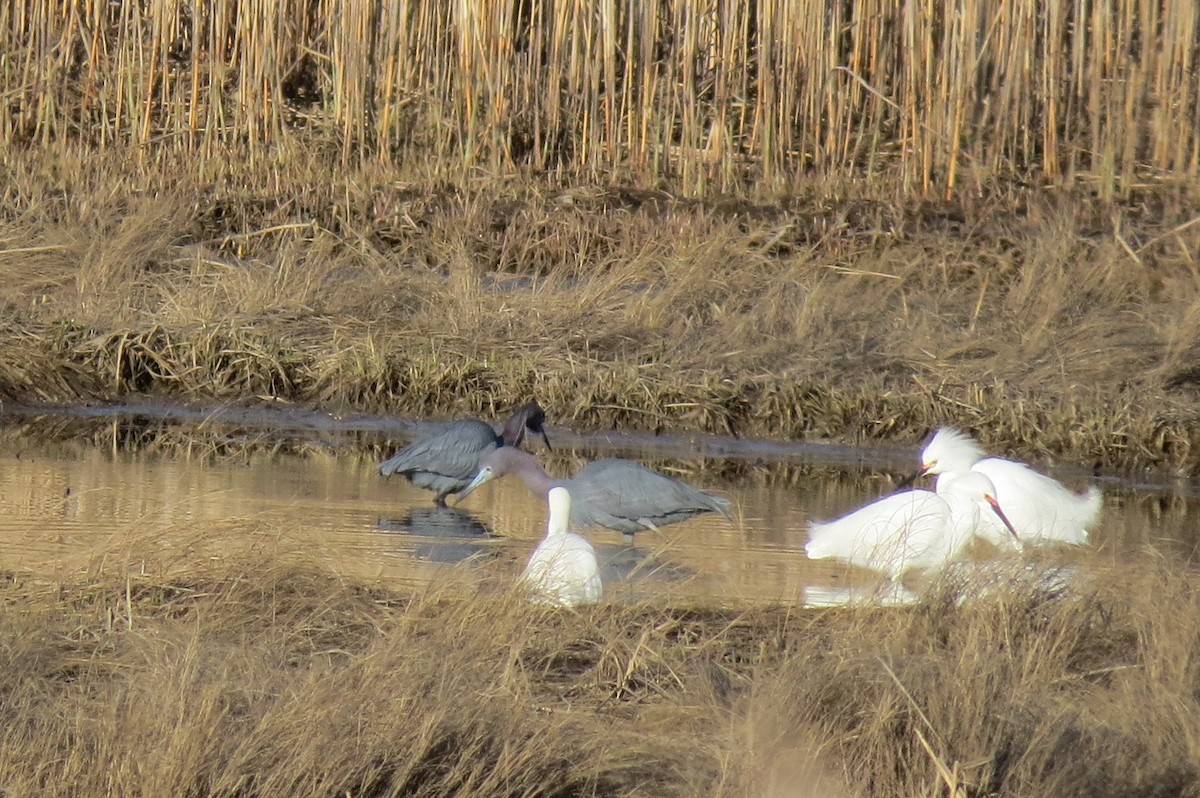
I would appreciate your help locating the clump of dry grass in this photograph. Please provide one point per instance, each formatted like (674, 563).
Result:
(1027, 692)
(263, 674)
(219, 662)
(1036, 322)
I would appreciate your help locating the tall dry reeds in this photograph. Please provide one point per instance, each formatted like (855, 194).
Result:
(714, 93)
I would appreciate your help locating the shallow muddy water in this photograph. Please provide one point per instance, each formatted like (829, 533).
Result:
(76, 484)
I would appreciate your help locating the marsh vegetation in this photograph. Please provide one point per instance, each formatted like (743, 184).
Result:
(848, 221)
(159, 670)
(694, 216)
(1026, 318)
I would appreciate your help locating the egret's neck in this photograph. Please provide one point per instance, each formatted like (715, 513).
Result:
(964, 516)
(558, 524)
(946, 477)
(560, 513)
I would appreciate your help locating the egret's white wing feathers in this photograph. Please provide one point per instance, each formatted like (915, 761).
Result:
(1040, 508)
(563, 569)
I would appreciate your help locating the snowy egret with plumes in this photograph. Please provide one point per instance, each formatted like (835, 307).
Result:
(563, 569)
(1041, 509)
(913, 530)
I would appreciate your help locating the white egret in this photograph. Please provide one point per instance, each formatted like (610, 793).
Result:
(916, 529)
(1041, 509)
(563, 569)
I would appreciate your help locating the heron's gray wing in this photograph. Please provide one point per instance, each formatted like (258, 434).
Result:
(454, 451)
(620, 494)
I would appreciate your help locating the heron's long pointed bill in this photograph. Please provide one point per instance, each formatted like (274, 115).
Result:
(546, 441)
(1008, 524)
(484, 475)
(910, 479)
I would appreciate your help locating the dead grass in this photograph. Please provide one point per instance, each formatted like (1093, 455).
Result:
(942, 98)
(1025, 694)
(428, 212)
(220, 662)
(1049, 324)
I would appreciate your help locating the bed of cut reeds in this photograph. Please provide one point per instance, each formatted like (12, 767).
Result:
(936, 97)
(215, 662)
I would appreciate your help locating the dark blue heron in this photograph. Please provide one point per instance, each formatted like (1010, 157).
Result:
(447, 460)
(613, 493)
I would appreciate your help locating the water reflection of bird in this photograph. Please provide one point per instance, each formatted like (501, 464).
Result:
(889, 594)
(630, 564)
(613, 493)
(563, 568)
(914, 530)
(1041, 509)
(447, 460)
(437, 522)
(452, 532)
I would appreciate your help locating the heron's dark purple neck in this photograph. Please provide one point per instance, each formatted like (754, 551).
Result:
(518, 423)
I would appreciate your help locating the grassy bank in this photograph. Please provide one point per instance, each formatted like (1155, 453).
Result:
(1052, 324)
(159, 670)
(808, 220)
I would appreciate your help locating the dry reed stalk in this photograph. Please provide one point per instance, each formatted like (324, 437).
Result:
(711, 93)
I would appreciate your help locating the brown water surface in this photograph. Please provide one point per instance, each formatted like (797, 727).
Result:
(91, 487)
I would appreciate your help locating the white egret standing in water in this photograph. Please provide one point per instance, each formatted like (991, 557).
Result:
(1041, 509)
(916, 529)
(563, 569)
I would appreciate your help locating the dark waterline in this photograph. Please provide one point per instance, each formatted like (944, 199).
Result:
(334, 430)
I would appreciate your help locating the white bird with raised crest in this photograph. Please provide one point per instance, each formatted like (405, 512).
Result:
(1041, 509)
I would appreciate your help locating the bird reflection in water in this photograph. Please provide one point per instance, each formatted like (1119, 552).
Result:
(451, 533)
(628, 563)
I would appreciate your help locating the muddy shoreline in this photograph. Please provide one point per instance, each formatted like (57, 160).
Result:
(241, 429)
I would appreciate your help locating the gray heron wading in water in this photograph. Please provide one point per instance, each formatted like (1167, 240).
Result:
(617, 494)
(446, 461)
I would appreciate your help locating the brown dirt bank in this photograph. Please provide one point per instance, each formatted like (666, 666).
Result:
(215, 661)
(1050, 324)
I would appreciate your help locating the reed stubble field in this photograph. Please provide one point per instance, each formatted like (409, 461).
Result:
(843, 221)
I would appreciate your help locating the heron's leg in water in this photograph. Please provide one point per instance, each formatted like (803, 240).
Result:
(440, 499)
